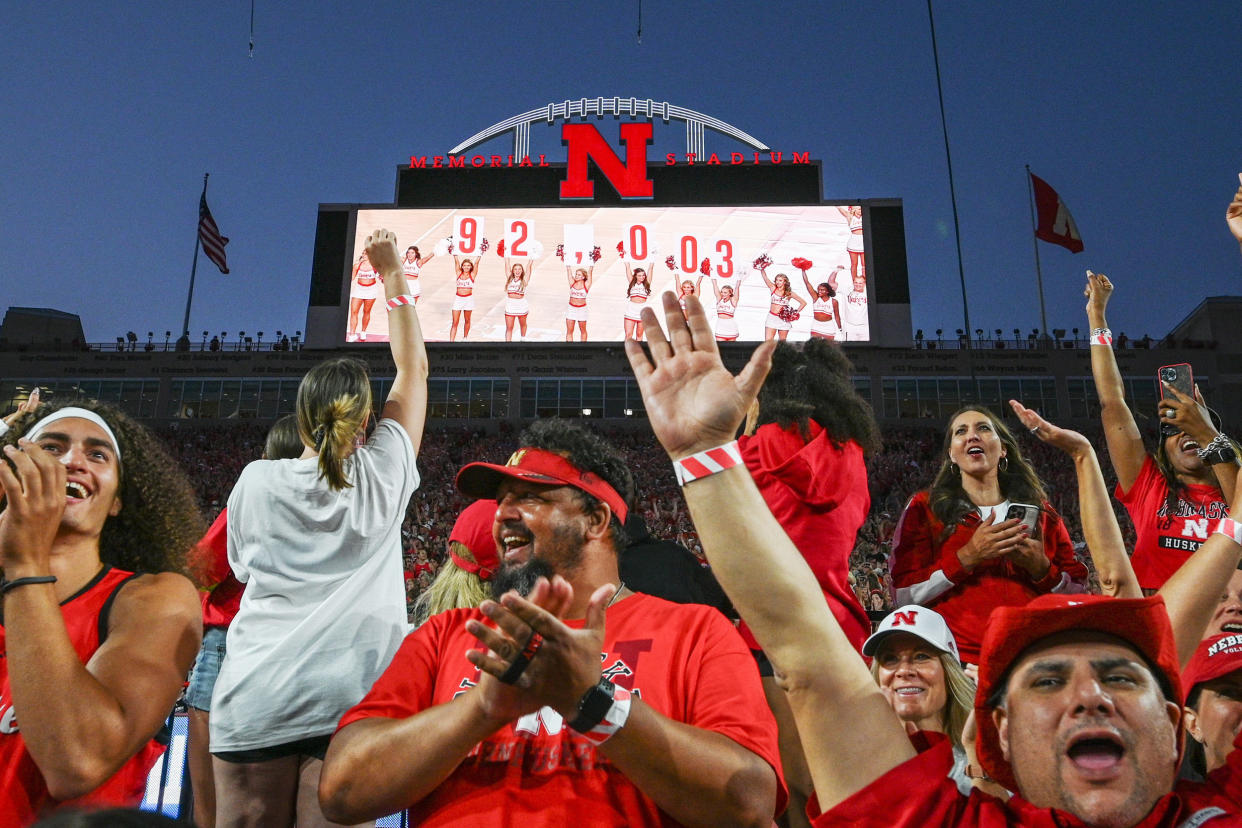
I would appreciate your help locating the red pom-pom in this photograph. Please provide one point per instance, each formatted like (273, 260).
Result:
(788, 314)
(671, 262)
(560, 251)
(450, 246)
(621, 248)
(595, 254)
(483, 245)
(706, 267)
(500, 248)
(801, 263)
(762, 262)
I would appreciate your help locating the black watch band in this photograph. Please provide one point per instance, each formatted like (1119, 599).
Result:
(593, 706)
(1224, 454)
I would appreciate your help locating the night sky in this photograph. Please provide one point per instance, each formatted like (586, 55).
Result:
(113, 112)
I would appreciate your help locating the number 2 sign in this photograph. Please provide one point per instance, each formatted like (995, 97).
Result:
(519, 233)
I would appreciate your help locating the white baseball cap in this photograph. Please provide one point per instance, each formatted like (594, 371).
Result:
(921, 622)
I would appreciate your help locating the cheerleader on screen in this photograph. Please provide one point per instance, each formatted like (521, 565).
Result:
(687, 288)
(516, 305)
(779, 320)
(854, 245)
(727, 298)
(580, 279)
(827, 313)
(412, 264)
(636, 294)
(366, 285)
(463, 301)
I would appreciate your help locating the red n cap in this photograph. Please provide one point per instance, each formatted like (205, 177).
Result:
(473, 530)
(1141, 622)
(1217, 656)
(537, 465)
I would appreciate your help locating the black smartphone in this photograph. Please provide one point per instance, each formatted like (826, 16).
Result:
(1178, 376)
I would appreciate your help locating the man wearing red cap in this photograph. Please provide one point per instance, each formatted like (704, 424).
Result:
(1078, 705)
(1213, 681)
(630, 711)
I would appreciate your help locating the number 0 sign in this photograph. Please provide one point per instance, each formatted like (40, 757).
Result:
(467, 235)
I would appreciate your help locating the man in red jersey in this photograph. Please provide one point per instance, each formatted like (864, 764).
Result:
(93, 656)
(1078, 705)
(630, 711)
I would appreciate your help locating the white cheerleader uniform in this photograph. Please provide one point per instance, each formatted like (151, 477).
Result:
(726, 325)
(854, 315)
(464, 303)
(825, 328)
(412, 270)
(577, 313)
(775, 322)
(366, 284)
(519, 306)
(634, 310)
(855, 243)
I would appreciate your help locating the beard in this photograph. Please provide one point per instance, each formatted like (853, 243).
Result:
(561, 554)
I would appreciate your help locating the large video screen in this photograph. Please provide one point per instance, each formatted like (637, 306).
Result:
(556, 274)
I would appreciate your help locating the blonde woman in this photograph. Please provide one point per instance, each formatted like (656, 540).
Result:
(580, 279)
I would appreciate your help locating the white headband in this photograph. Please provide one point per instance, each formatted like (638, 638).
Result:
(81, 414)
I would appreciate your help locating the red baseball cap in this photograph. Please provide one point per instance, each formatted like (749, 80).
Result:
(536, 465)
(1217, 656)
(1143, 623)
(473, 530)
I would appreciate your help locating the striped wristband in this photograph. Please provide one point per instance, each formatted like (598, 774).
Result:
(1230, 529)
(597, 722)
(397, 301)
(1101, 336)
(707, 462)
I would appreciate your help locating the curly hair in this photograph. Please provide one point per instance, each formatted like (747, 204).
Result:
(1018, 481)
(811, 381)
(159, 521)
(589, 452)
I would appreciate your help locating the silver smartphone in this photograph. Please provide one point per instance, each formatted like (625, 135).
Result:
(1028, 514)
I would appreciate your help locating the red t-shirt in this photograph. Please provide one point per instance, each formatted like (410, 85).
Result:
(920, 794)
(224, 596)
(927, 571)
(818, 493)
(684, 660)
(1165, 541)
(23, 792)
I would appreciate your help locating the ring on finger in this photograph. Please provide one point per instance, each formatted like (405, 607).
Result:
(1169, 413)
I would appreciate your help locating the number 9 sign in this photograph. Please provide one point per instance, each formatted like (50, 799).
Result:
(467, 235)
(519, 233)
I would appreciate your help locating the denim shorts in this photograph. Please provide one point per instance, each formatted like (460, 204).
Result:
(206, 668)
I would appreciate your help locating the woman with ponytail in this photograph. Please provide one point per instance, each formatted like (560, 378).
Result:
(317, 542)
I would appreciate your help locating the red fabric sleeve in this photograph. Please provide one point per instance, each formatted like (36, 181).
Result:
(1060, 552)
(211, 554)
(915, 556)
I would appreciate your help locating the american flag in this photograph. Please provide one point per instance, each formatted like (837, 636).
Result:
(209, 235)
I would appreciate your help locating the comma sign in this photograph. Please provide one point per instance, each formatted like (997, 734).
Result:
(629, 178)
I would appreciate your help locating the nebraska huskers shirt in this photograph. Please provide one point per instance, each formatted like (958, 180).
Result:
(684, 660)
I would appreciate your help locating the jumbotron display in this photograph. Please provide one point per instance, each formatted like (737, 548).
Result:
(556, 274)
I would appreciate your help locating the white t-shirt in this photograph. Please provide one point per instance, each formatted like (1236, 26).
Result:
(324, 606)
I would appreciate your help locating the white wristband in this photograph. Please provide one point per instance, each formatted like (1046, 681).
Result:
(1230, 529)
(707, 462)
(1101, 336)
(397, 301)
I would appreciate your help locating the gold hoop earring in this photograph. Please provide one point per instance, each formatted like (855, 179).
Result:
(1003, 465)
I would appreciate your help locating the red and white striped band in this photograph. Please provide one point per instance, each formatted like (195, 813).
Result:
(614, 719)
(1102, 339)
(707, 462)
(397, 301)
(1230, 529)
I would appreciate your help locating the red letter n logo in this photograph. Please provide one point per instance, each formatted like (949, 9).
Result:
(583, 141)
(905, 619)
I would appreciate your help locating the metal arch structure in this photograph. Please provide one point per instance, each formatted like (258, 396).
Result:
(696, 122)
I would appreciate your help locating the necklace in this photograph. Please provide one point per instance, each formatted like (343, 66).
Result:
(613, 599)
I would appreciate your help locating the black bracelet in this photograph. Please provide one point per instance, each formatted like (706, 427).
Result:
(6, 585)
(593, 706)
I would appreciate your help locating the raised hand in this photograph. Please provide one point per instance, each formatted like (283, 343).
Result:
(1233, 215)
(693, 402)
(382, 251)
(1070, 442)
(1098, 291)
(1189, 416)
(34, 498)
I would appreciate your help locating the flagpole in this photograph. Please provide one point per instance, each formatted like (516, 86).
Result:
(1039, 276)
(185, 325)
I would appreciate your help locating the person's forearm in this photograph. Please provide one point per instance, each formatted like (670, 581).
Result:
(1101, 532)
(73, 727)
(379, 766)
(696, 776)
(405, 333)
(1193, 591)
(1227, 479)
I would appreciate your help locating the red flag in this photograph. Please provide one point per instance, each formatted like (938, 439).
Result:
(209, 235)
(1056, 225)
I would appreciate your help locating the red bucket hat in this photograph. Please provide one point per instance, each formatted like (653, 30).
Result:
(538, 465)
(473, 530)
(1141, 622)
(1217, 656)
